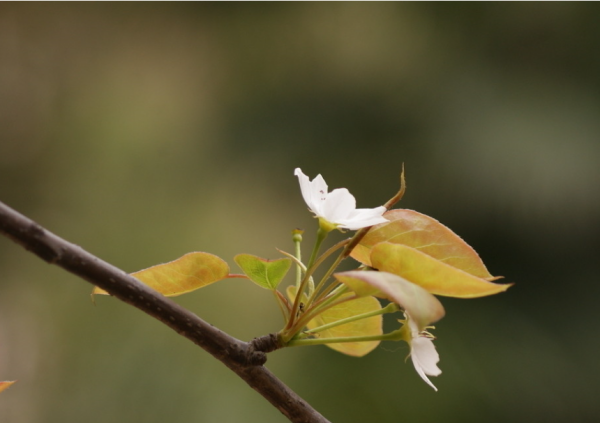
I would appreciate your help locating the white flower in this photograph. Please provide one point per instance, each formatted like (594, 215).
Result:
(337, 207)
(422, 352)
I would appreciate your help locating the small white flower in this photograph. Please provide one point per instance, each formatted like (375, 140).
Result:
(337, 207)
(422, 352)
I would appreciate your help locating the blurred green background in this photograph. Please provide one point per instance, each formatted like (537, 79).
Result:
(144, 131)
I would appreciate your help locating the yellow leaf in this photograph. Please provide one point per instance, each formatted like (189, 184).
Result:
(424, 233)
(6, 384)
(434, 275)
(364, 327)
(186, 274)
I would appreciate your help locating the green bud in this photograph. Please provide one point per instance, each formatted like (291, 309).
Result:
(297, 235)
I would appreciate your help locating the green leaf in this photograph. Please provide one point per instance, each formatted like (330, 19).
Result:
(421, 232)
(5, 385)
(186, 274)
(265, 273)
(422, 307)
(433, 275)
(364, 327)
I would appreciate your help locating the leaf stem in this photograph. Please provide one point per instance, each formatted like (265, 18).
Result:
(307, 279)
(321, 235)
(390, 308)
(236, 275)
(392, 336)
(297, 238)
(319, 307)
(283, 305)
(351, 243)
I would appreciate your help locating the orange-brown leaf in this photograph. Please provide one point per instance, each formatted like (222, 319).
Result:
(424, 233)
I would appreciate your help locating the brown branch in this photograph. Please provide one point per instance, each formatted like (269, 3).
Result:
(245, 359)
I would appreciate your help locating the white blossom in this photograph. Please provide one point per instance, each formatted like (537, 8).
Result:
(422, 352)
(337, 207)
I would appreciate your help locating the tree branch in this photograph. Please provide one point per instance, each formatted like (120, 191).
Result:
(243, 358)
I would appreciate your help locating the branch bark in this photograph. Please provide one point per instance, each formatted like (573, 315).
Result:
(243, 358)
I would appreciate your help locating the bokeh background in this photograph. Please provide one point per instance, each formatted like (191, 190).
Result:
(144, 131)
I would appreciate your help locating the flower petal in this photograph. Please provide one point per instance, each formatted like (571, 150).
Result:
(425, 353)
(305, 186)
(337, 207)
(366, 217)
(368, 213)
(422, 374)
(314, 192)
(340, 203)
(319, 196)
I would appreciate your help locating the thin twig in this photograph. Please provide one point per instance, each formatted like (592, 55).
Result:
(243, 358)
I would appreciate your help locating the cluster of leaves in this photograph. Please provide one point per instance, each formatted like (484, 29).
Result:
(404, 257)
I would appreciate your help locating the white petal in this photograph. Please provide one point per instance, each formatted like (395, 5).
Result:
(318, 192)
(314, 193)
(361, 218)
(425, 358)
(339, 205)
(422, 374)
(353, 224)
(369, 213)
(424, 352)
(304, 185)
